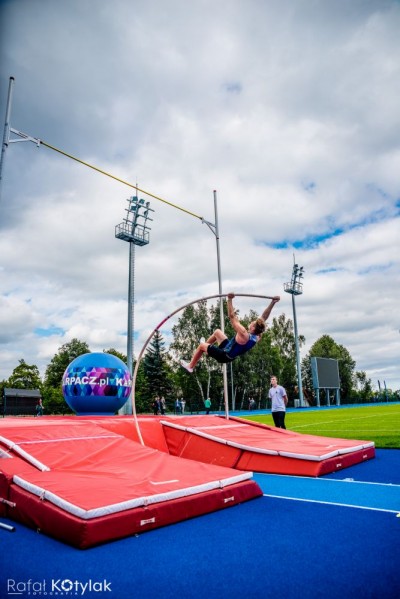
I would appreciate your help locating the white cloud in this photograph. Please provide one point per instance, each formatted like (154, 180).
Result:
(288, 110)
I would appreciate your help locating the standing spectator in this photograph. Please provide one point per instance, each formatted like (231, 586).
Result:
(252, 404)
(39, 407)
(178, 406)
(207, 405)
(162, 405)
(278, 397)
(156, 405)
(183, 404)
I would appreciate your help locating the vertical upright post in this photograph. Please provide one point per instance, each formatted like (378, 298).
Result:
(221, 305)
(135, 230)
(127, 407)
(296, 338)
(232, 389)
(6, 134)
(295, 287)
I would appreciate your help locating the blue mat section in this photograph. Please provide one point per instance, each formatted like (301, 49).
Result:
(384, 468)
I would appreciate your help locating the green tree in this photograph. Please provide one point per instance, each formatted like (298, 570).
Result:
(196, 321)
(62, 359)
(156, 369)
(326, 347)
(282, 332)
(142, 401)
(364, 386)
(54, 402)
(3, 385)
(25, 376)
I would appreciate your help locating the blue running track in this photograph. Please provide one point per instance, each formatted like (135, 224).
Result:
(332, 538)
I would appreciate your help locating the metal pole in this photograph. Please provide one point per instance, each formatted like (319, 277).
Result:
(232, 389)
(295, 288)
(296, 338)
(127, 408)
(133, 229)
(221, 306)
(6, 134)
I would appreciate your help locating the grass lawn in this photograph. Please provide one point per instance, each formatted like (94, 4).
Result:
(378, 423)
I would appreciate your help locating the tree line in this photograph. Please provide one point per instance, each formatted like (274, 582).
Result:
(160, 374)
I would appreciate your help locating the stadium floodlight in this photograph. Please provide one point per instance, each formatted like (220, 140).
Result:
(135, 230)
(295, 287)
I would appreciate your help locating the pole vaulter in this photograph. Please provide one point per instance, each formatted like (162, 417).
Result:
(157, 328)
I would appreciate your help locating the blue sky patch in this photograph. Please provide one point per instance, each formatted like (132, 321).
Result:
(40, 332)
(313, 241)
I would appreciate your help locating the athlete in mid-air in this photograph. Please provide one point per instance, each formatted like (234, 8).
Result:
(229, 349)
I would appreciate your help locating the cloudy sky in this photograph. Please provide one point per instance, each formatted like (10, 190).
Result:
(289, 109)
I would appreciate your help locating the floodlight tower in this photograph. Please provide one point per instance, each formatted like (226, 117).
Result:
(135, 230)
(295, 287)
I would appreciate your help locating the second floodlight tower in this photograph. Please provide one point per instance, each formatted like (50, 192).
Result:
(134, 229)
(295, 287)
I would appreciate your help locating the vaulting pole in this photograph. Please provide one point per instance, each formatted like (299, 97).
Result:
(160, 324)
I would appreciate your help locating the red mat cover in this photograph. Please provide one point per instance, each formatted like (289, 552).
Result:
(246, 445)
(85, 484)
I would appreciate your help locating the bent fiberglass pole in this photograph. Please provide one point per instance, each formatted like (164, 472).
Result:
(157, 328)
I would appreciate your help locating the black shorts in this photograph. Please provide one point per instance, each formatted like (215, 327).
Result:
(217, 352)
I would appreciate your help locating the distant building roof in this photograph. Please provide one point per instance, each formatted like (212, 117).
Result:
(21, 392)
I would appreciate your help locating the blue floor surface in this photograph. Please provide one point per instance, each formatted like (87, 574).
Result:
(306, 546)
(384, 468)
(374, 484)
(377, 496)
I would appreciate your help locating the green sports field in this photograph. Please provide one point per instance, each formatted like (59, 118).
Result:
(378, 423)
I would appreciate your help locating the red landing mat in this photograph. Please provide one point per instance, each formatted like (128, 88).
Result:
(85, 484)
(238, 443)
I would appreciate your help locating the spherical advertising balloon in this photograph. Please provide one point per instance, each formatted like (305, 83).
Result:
(96, 384)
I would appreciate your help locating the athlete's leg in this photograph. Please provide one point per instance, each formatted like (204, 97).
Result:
(217, 337)
(283, 414)
(279, 419)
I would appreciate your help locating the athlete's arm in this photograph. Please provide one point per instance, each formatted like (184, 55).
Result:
(268, 309)
(240, 330)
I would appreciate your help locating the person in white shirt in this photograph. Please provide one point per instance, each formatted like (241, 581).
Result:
(278, 397)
